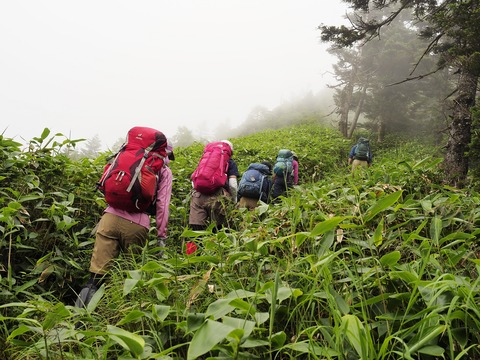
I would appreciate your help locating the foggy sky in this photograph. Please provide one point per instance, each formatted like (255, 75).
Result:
(86, 68)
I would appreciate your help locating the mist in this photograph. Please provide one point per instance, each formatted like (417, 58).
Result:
(98, 68)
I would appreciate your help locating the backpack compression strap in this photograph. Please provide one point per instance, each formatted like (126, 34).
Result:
(139, 167)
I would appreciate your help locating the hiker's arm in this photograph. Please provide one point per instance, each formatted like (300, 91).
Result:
(233, 174)
(295, 172)
(351, 155)
(233, 187)
(164, 194)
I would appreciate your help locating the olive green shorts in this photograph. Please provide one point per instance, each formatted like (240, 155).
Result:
(115, 234)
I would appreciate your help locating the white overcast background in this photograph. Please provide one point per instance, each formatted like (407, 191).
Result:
(86, 68)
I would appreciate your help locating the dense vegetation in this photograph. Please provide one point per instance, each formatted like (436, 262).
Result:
(378, 265)
(448, 36)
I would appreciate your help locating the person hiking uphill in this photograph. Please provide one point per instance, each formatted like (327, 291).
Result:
(360, 154)
(285, 172)
(255, 185)
(214, 180)
(125, 222)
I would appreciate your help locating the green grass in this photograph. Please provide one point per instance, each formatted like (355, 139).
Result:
(378, 265)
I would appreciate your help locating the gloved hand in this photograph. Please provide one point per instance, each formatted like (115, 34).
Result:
(162, 244)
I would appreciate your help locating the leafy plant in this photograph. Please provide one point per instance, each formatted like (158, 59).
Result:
(376, 265)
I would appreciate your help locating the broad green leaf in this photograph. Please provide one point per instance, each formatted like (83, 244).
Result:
(241, 293)
(278, 339)
(435, 229)
(300, 237)
(235, 336)
(219, 308)
(432, 350)
(426, 205)
(130, 341)
(261, 317)
(284, 293)
(160, 312)
(246, 325)
(26, 285)
(262, 209)
(460, 335)
(341, 303)
(354, 330)
(206, 337)
(30, 197)
(325, 226)
(193, 234)
(135, 274)
(312, 348)
(132, 316)
(129, 285)
(194, 321)
(96, 299)
(406, 276)
(382, 204)
(151, 266)
(45, 133)
(378, 234)
(252, 343)
(456, 236)
(243, 305)
(22, 329)
(326, 242)
(14, 205)
(390, 259)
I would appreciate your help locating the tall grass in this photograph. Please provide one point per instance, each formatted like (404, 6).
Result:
(376, 265)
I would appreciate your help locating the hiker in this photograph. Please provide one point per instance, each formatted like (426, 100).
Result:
(255, 185)
(214, 182)
(285, 172)
(360, 154)
(125, 224)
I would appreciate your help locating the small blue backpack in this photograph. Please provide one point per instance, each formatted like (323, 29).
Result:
(284, 165)
(252, 182)
(362, 151)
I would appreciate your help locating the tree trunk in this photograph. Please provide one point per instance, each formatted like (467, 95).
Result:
(345, 107)
(358, 111)
(456, 162)
(347, 95)
(381, 130)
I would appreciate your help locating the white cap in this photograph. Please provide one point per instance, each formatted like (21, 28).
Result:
(229, 144)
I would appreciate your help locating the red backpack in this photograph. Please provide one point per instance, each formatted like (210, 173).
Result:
(129, 182)
(211, 172)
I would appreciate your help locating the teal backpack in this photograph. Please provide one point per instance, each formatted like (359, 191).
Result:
(284, 165)
(362, 152)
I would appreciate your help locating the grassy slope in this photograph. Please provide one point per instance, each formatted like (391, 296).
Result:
(367, 266)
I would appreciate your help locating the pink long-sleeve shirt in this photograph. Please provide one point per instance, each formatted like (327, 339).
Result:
(295, 172)
(164, 193)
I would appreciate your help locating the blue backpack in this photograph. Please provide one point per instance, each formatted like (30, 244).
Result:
(362, 151)
(252, 182)
(284, 165)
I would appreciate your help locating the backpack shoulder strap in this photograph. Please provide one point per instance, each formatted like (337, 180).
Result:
(140, 165)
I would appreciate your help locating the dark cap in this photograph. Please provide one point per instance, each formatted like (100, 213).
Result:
(169, 149)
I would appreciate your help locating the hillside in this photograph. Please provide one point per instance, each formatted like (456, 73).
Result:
(382, 265)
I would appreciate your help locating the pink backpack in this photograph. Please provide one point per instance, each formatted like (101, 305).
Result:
(129, 182)
(211, 172)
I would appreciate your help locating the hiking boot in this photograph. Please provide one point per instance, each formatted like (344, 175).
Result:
(85, 295)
